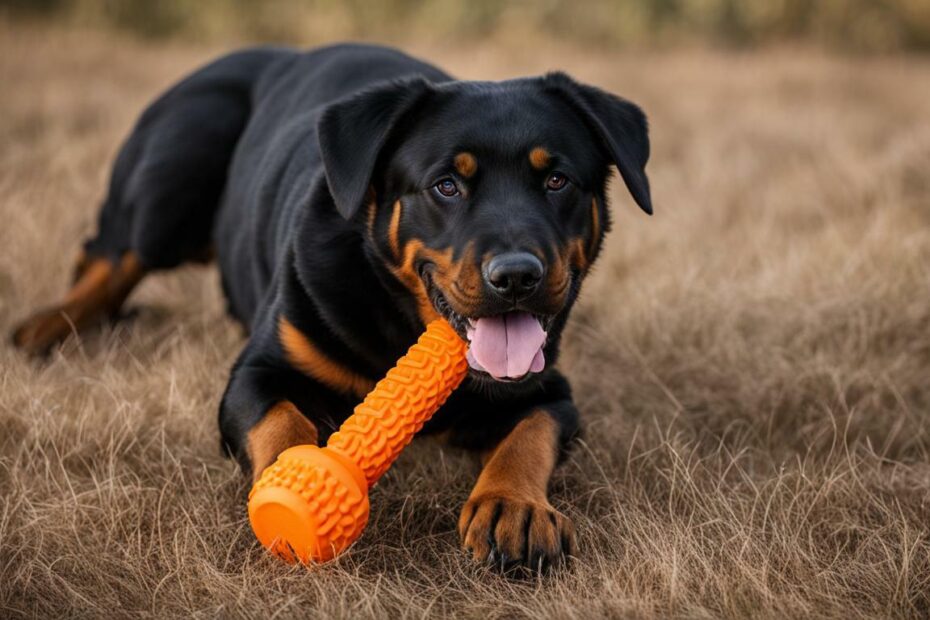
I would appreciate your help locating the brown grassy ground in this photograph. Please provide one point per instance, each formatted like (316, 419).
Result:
(753, 365)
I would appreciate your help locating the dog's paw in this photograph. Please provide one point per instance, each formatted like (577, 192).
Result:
(38, 333)
(512, 534)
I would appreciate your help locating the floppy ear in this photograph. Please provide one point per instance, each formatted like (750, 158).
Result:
(352, 132)
(620, 124)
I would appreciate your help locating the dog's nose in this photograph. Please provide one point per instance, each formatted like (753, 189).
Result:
(514, 274)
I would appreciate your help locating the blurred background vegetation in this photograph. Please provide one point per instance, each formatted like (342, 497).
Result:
(847, 25)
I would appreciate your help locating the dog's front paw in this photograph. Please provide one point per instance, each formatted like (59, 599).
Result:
(511, 533)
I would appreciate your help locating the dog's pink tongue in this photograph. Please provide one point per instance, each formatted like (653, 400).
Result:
(508, 345)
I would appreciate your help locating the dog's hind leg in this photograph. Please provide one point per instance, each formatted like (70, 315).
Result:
(164, 193)
(99, 289)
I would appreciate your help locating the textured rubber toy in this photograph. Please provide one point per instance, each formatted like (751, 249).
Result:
(312, 503)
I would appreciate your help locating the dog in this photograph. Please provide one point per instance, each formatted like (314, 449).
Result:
(351, 194)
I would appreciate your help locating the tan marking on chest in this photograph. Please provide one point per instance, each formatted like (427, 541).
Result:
(310, 360)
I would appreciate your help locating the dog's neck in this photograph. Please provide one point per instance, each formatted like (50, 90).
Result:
(338, 276)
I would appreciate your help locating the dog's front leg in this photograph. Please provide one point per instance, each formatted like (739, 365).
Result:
(508, 520)
(259, 417)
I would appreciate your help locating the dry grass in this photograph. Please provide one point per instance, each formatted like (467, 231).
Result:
(753, 365)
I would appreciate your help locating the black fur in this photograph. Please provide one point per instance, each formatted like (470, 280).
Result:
(271, 157)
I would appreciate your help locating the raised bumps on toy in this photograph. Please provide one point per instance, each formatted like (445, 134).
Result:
(312, 502)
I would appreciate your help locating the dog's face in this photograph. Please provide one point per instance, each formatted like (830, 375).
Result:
(487, 201)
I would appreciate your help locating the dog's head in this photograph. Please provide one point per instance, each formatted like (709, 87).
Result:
(486, 200)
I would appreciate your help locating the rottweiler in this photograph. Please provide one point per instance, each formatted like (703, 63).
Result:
(350, 194)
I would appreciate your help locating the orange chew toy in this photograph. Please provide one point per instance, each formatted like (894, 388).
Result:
(312, 502)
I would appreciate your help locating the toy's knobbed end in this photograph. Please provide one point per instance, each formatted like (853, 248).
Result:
(309, 505)
(312, 503)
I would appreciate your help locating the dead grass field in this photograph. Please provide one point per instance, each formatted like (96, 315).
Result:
(752, 364)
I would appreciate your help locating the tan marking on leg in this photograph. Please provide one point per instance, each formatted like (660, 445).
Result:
(80, 266)
(521, 464)
(508, 512)
(281, 427)
(306, 357)
(92, 283)
(466, 164)
(394, 231)
(540, 158)
(128, 275)
(100, 290)
(41, 330)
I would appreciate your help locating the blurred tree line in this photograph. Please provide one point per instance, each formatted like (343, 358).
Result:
(857, 25)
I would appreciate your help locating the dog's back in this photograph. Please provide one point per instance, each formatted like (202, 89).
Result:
(190, 183)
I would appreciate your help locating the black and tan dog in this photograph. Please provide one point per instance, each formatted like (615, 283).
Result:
(349, 195)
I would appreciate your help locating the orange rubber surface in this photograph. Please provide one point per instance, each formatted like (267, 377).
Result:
(309, 505)
(312, 503)
(401, 403)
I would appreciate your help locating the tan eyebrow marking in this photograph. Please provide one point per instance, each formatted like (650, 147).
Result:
(466, 164)
(539, 158)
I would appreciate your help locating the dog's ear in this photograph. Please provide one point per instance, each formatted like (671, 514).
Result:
(352, 132)
(620, 124)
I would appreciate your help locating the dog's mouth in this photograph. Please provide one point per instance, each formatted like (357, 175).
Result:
(505, 347)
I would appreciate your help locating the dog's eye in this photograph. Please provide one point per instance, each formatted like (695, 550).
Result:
(447, 188)
(556, 181)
